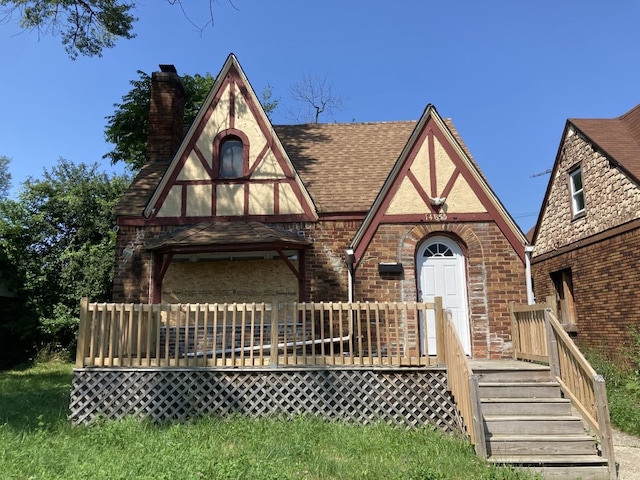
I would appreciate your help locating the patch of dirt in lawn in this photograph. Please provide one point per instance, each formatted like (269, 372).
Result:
(626, 448)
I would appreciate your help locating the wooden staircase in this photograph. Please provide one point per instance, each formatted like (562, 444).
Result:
(527, 423)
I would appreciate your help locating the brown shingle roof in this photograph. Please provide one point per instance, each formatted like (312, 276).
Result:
(135, 199)
(342, 165)
(618, 137)
(226, 234)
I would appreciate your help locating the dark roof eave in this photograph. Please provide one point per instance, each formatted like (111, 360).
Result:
(223, 248)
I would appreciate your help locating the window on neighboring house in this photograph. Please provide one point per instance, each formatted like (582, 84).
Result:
(231, 158)
(577, 193)
(565, 307)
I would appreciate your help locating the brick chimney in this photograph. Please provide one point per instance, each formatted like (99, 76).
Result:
(166, 113)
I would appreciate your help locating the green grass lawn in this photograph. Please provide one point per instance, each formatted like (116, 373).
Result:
(37, 442)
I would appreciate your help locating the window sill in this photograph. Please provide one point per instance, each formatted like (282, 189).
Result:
(578, 216)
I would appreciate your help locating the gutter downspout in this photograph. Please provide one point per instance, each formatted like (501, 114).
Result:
(349, 258)
(528, 250)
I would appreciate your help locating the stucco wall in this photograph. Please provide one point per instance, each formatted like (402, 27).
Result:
(610, 197)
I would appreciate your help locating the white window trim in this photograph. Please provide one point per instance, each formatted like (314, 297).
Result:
(575, 193)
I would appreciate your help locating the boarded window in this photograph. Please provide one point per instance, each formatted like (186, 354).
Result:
(563, 283)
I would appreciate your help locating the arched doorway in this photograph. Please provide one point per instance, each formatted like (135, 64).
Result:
(441, 273)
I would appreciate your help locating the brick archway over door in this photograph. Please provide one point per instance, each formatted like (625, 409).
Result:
(473, 250)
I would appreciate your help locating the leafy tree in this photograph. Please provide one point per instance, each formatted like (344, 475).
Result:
(86, 27)
(58, 239)
(128, 127)
(5, 176)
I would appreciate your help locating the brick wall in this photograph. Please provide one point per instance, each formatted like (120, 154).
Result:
(326, 270)
(495, 274)
(132, 272)
(166, 111)
(606, 282)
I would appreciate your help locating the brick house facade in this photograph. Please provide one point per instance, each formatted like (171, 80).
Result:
(587, 239)
(394, 211)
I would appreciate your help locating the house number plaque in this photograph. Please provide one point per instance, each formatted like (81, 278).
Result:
(436, 217)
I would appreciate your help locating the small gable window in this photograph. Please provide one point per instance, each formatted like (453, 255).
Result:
(577, 193)
(231, 158)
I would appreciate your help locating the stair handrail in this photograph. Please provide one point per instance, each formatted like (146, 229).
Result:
(463, 385)
(581, 384)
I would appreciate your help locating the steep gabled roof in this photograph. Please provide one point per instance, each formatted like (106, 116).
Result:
(231, 108)
(435, 179)
(618, 138)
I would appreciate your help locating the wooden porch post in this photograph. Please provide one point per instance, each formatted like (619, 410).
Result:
(440, 343)
(552, 346)
(604, 423)
(477, 419)
(515, 332)
(83, 332)
(273, 359)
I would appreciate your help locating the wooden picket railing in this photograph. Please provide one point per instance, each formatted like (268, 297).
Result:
(539, 336)
(529, 333)
(252, 335)
(463, 385)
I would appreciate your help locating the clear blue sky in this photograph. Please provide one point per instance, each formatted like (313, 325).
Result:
(508, 73)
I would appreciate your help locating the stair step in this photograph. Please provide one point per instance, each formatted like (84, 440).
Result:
(548, 459)
(533, 424)
(520, 389)
(526, 406)
(572, 472)
(584, 467)
(542, 374)
(526, 446)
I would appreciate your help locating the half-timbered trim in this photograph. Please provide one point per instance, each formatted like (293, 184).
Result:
(231, 86)
(429, 129)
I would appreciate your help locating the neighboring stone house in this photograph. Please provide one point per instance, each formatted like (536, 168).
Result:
(239, 210)
(587, 238)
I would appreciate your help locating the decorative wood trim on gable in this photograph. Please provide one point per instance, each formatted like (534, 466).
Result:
(192, 186)
(419, 193)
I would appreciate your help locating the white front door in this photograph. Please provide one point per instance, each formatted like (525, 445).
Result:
(441, 271)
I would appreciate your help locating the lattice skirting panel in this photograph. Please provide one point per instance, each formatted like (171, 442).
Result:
(410, 398)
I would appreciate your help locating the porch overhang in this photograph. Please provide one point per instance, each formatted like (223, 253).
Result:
(226, 240)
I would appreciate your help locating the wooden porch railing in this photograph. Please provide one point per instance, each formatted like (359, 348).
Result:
(463, 385)
(252, 335)
(539, 336)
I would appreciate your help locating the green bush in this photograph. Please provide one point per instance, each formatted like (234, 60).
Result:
(622, 377)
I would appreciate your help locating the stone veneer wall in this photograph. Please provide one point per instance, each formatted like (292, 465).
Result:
(606, 282)
(610, 197)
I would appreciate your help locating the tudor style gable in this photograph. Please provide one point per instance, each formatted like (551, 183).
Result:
(436, 181)
(231, 165)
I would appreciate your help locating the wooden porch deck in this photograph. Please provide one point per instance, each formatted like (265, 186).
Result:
(354, 362)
